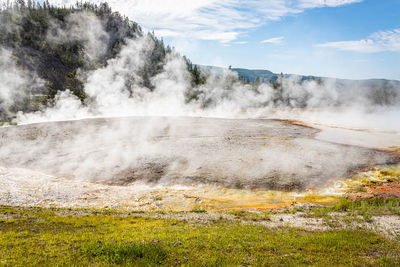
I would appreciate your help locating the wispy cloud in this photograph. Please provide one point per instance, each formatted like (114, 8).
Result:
(167, 33)
(326, 3)
(377, 42)
(220, 20)
(275, 40)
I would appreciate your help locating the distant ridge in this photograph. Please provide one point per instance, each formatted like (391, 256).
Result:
(252, 75)
(267, 76)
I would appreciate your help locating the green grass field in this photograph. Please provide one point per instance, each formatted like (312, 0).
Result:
(107, 238)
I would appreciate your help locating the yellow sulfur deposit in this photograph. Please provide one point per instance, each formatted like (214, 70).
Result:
(218, 198)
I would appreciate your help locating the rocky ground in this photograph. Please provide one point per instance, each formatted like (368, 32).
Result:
(388, 225)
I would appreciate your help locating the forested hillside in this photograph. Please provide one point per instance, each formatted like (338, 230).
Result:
(53, 43)
(28, 28)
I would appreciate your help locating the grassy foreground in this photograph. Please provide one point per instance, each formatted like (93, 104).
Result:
(62, 237)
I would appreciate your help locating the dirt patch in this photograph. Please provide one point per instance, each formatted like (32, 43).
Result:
(387, 190)
(387, 225)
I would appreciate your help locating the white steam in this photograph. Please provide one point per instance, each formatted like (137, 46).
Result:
(115, 90)
(16, 84)
(84, 27)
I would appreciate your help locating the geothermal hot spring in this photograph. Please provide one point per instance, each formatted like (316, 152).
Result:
(233, 146)
(186, 163)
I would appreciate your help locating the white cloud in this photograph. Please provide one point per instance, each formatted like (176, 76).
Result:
(221, 20)
(275, 40)
(166, 33)
(326, 3)
(223, 37)
(377, 42)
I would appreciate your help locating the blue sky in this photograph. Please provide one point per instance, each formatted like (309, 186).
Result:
(355, 39)
(298, 38)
